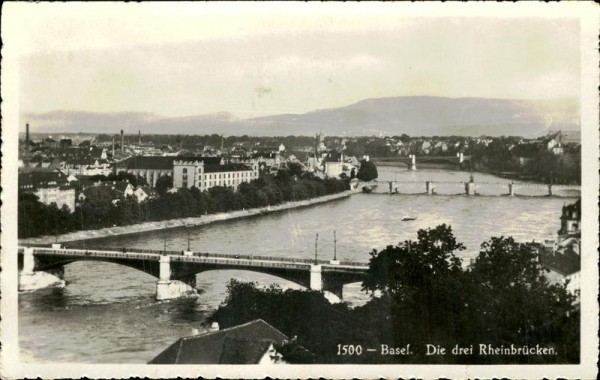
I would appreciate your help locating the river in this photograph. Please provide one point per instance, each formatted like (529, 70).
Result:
(107, 313)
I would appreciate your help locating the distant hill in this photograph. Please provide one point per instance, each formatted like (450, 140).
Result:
(413, 115)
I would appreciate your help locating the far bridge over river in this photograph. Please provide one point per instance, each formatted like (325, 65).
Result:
(411, 160)
(176, 271)
(475, 188)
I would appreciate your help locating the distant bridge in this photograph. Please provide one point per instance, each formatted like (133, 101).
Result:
(477, 188)
(176, 271)
(412, 160)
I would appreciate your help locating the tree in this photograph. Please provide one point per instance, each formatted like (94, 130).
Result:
(65, 143)
(293, 312)
(367, 171)
(504, 298)
(405, 138)
(163, 184)
(513, 301)
(295, 169)
(423, 280)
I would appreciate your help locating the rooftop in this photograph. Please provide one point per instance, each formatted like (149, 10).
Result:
(37, 179)
(162, 162)
(242, 344)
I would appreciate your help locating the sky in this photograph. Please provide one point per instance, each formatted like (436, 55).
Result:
(263, 59)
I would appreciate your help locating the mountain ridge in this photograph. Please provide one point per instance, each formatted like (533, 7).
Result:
(413, 115)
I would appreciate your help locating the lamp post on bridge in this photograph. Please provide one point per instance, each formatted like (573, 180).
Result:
(334, 247)
(335, 260)
(188, 237)
(165, 240)
(316, 248)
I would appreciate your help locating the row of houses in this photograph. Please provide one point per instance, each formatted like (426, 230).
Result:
(53, 185)
(87, 161)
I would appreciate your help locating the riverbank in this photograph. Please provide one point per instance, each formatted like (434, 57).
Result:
(180, 223)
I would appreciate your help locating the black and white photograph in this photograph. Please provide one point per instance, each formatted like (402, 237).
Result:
(304, 189)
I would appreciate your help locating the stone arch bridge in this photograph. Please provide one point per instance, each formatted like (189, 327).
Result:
(176, 271)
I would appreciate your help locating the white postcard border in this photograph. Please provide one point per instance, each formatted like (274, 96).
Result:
(12, 368)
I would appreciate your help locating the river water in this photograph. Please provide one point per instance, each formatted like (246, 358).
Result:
(107, 313)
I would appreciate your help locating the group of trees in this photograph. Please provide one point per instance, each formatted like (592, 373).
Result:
(99, 210)
(532, 160)
(426, 297)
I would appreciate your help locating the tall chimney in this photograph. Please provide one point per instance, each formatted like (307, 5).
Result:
(113, 150)
(26, 139)
(122, 142)
(139, 137)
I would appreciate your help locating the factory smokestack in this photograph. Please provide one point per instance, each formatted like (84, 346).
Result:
(122, 142)
(27, 134)
(139, 137)
(113, 150)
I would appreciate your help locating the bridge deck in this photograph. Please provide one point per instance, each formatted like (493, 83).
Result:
(206, 258)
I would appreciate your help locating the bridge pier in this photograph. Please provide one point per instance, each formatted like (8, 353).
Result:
(29, 279)
(316, 278)
(391, 187)
(470, 188)
(429, 187)
(413, 162)
(511, 189)
(167, 288)
(333, 293)
(550, 190)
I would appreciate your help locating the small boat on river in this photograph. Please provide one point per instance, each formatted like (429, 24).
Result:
(408, 218)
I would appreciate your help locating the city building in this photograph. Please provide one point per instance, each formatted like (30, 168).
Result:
(203, 175)
(143, 193)
(251, 343)
(563, 259)
(149, 167)
(334, 164)
(49, 187)
(201, 172)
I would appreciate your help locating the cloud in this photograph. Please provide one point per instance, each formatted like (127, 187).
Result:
(262, 90)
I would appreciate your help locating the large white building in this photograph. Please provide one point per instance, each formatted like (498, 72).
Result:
(195, 173)
(201, 172)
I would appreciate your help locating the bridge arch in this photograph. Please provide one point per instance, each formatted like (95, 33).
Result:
(185, 271)
(50, 263)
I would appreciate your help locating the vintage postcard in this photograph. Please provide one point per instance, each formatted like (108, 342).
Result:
(299, 190)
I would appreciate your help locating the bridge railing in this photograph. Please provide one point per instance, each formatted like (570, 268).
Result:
(241, 262)
(95, 253)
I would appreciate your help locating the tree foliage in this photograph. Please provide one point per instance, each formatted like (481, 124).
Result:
(426, 297)
(163, 184)
(104, 207)
(503, 298)
(318, 325)
(367, 171)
